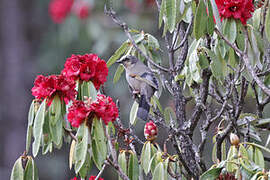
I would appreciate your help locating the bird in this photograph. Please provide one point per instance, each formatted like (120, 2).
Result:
(142, 82)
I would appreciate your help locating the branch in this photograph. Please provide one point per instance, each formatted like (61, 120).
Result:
(69, 132)
(185, 36)
(101, 171)
(124, 26)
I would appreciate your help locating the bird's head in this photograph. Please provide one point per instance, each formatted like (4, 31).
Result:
(128, 61)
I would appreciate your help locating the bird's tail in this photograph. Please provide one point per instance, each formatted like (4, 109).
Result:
(143, 108)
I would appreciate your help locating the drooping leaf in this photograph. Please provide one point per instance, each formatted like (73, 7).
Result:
(30, 170)
(38, 127)
(216, 14)
(99, 145)
(81, 147)
(146, 157)
(55, 110)
(86, 168)
(159, 172)
(152, 42)
(230, 29)
(200, 21)
(122, 160)
(171, 14)
(133, 113)
(17, 170)
(258, 158)
(210, 19)
(92, 91)
(161, 13)
(267, 24)
(118, 53)
(133, 167)
(56, 131)
(118, 73)
(71, 153)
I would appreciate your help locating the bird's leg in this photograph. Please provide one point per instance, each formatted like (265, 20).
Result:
(135, 93)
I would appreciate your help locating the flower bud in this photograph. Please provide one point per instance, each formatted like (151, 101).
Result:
(150, 131)
(234, 139)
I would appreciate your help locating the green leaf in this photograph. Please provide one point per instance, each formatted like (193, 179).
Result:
(30, 170)
(81, 147)
(231, 163)
(161, 13)
(258, 158)
(171, 14)
(216, 66)
(85, 89)
(200, 21)
(133, 167)
(159, 172)
(216, 14)
(169, 114)
(28, 137)
(99, 145)
(257, 145)
(92, 90)
(203, 61)
(122, 160)
(211, 174)
(86, 168)
(152, 42)
(146, 157)
(230, 29)
(17, 170)
(240, 39)
(121, 50)
(210, 19)
(31, 113)
(56, 131)
(267, 24)
(55, 110)
(133, 113)
(38, 127)
(138, 37)
(71, 153)
(118, 73)
(157, 103)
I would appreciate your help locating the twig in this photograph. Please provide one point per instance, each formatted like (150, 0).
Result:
(112, 14)
(69, 132)
(101, 171)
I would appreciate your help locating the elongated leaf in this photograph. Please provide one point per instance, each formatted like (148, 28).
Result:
(85, 89)
(56, 131)
(159, 172)
(257, 145)
(267, 24)
(146, 157)
(81, 147)
(31, 113)
(210, 19)
(29, 134)
(38, 127)
(169, 115)
(99, 145)
(152, 42)
(230, 29)
(258, 158)
(71, 153)
(121, 50)
(171, 14)
(211, 174)
(92, 90)
(133, 113)
(122, 160)
(17, 170)
(86, 168)
(133, 167)
(118, 73)
(216, 66)
(200, 21)
(30, 170)
(161, 13)
(216, 14)
(55, 110)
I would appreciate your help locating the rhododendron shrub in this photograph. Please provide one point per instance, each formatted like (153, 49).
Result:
(210, 57)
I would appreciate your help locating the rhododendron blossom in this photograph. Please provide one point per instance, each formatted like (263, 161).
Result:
(150, 131)
(105, 108)
(49, 86)
(91, 178)
(237, 9)
(86, 67)
(77, 113)
(81, 9)
(59, 9)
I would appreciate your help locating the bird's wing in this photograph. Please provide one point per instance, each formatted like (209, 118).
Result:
(149, 78)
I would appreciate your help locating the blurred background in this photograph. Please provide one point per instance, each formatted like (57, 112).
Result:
(36, 37)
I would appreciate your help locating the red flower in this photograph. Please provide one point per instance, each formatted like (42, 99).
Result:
(59, 9)
(77, 113)
(81, 9)
(101, 74)
(75, 178)
(104, 108)
(48, 87)
(237, 9)
(150, 131)
(93, 178)
(88, 67)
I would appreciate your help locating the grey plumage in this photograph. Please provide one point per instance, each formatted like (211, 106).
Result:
(141, 81)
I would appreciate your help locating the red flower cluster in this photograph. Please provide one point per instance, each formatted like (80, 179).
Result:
(91, 178)
(86, 67)
(150, 131)
(77, 113)
(104, 108)
(237, 9)
(48, 87)
(59, 9)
